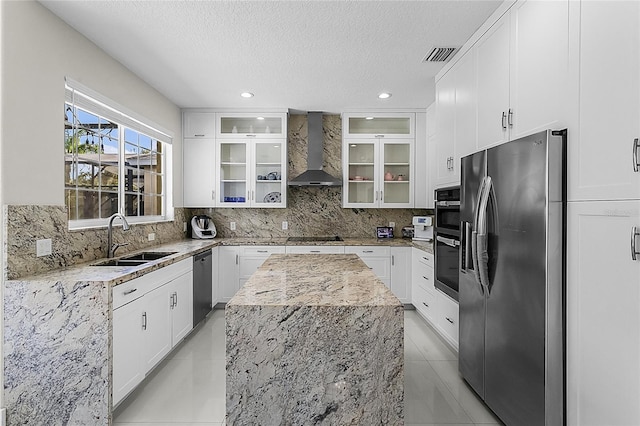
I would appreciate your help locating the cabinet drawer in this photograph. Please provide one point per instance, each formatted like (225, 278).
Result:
(381, 266)
(448, 317)
(261, 250)
(425, 258)
(250, 264)
(423, 276)
(369, 251)
(315, 249)
(424, 302)
(131, 290)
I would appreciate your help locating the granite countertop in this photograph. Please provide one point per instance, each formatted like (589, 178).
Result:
(313, 280)
(391, 242)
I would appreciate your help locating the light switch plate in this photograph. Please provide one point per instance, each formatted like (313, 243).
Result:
(152, 236)
(392, 224)
(184, 226)
(43, 247)
(285, 225)
(232, 225)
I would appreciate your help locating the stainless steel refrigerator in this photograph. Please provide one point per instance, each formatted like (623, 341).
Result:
(511, 289)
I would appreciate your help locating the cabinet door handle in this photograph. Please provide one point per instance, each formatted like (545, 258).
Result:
(367, 251)
(376, 195)
(393, 260)
(144, 320)
(213, 195)
(634, 250)
(425, 304)
(314, 251)
(510, 121)
(130, 291)
(378, 136)
(236, 259)
(199, 136)
(449, 319)
(382, 196)
(262, 251)
(250, 136)
(425, 278)
(176, 298)
(636, 146)
(504, 121)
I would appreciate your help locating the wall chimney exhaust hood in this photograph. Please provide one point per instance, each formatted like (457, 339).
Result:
(315, 176)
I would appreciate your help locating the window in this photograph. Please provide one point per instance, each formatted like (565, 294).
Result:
(113, 163)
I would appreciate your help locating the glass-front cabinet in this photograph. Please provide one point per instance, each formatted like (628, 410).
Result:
(251, 125)
(388, 125)
(252, 173)
(378, 173)
(378, 165)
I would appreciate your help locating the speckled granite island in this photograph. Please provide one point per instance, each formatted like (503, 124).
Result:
(314, 339)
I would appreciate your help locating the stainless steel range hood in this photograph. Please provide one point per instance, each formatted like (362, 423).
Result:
(315, 176)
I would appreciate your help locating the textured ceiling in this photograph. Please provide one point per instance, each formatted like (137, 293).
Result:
(304, 55)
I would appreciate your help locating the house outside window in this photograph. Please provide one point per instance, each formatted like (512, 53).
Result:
(113, 163)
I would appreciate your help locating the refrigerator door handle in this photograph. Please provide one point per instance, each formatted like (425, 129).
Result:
(634, 251)
(474, 235)
(482, 242)
(465, 261)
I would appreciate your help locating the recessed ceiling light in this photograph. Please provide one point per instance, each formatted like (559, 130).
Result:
(246, 94)
(368, 118)
(260, 118)
(384, 95)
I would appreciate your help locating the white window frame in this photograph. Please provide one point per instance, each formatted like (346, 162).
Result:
(99, 105)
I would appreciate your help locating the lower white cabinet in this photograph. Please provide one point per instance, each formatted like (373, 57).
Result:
(447, 318)
(401, 273)
(603, 313)
(151, 315)
(228, 270)
(376, 258)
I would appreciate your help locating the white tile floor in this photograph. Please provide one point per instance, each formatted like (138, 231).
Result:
(188, 389)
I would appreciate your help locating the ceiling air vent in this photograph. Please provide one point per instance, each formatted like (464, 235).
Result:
(440, 54)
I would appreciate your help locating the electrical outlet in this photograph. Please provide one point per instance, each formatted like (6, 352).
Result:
(392, 224)
(184, 226)
(285, 225)
(152, 236)
(43, 247)
(232, 225)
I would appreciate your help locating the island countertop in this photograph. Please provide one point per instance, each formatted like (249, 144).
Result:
(314, 280)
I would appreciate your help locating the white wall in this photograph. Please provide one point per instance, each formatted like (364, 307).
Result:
(43, 50)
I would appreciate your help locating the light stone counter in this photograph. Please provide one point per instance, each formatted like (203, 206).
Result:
(57, 340)
(314, 339)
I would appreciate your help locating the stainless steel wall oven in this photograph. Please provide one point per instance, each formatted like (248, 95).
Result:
(447, 241)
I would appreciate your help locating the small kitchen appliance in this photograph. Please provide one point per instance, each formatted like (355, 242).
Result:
(202, 227)
(422, 228)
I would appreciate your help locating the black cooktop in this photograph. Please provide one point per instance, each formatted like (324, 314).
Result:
(333, 238)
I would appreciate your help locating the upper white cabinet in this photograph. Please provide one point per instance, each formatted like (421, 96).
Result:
(603, 313)
(379, 161)
(251, 173)
(198, 166)
(387, 125)
(523, 72)
(197, 124)
(252, 125)
(605, 54)
(431, 156)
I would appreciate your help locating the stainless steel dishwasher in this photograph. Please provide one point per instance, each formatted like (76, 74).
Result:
(202, 290)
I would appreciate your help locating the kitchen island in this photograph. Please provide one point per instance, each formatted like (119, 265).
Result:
(314, 339)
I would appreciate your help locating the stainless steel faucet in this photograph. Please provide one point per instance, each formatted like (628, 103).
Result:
(111, 248)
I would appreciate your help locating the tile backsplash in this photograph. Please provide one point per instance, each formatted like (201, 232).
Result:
(310, 210)
(24, 225)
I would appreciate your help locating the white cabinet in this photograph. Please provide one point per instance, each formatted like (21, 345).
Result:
(373, 125)
(378, 173)
(180, 293)
(523, 72)
(401, 273)
(603, 314)
(198, 166)
(455, 119)
(251, 173)
(606, 122)
(252, 257)
(431, 164)
(447, 318)
(423, 293)
(314, 249)
(376, 258)
(151, 314)
(198, 124)
(252, 125)
(228, 272)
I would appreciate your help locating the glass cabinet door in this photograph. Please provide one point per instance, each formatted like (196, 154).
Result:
(251, 125)
(232, 174)
(361, 185)
(270, 174)
(396, 174)
(377, 125)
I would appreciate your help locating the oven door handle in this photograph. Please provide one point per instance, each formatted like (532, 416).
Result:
(448, 241)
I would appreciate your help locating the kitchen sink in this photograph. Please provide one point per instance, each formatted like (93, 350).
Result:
(120, 262)
(149, 255)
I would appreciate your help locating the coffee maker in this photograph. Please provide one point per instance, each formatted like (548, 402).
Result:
(422, 228)
(202, 227)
